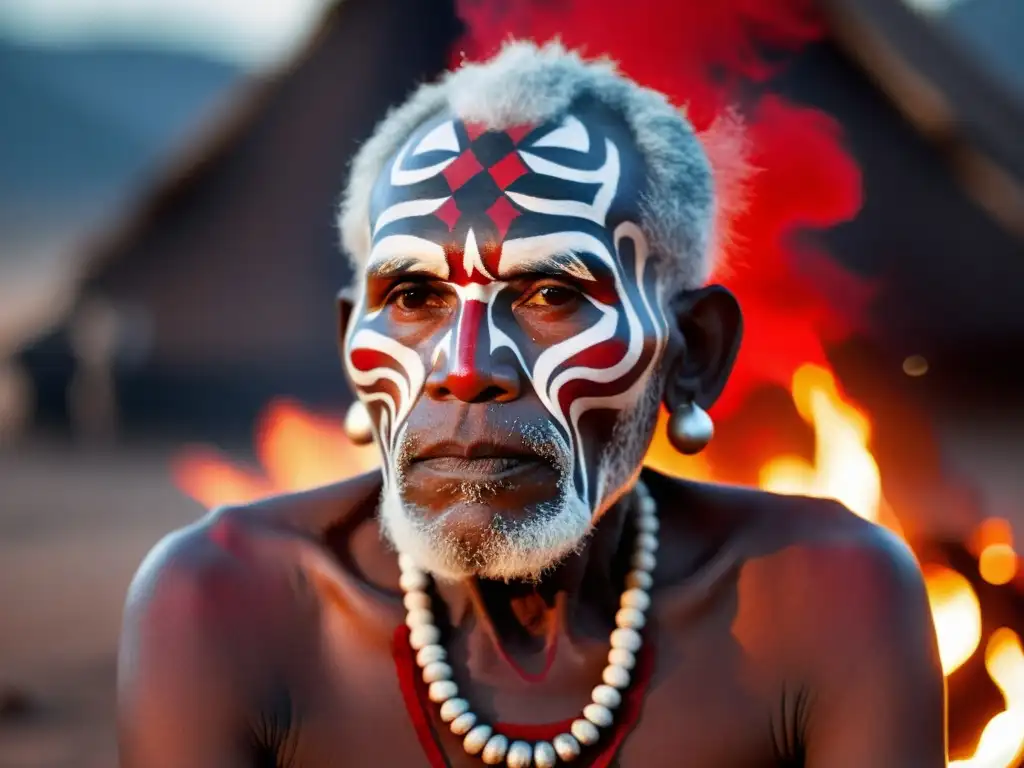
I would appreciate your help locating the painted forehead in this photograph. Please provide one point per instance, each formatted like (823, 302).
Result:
(455, 182)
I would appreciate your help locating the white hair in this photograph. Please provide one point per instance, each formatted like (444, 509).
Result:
(534, 84)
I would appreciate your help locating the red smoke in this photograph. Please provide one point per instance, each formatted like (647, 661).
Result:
(706, 54)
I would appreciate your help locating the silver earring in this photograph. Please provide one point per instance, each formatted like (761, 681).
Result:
(357, 424)
(690, 429)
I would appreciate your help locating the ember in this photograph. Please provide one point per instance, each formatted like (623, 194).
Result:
(997, 559)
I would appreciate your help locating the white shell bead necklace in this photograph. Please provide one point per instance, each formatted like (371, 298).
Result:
(480, 738)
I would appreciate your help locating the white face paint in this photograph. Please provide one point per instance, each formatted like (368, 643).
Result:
(436, 219)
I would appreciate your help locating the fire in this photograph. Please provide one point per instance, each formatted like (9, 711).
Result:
(997, 563)
(843, 467)
(957, 615)
(299, 450)
(993, 544)
(1002, 742)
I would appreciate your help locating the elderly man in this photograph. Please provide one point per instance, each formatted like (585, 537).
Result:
(531, 240)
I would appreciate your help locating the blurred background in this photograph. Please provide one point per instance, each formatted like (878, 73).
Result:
(169, 171)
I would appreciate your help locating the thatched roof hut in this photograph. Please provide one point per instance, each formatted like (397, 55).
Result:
(217, 292)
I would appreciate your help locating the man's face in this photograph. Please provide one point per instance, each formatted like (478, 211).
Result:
(505, 338)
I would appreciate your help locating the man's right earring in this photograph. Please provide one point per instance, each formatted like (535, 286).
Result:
(357, 424)
(690, 429)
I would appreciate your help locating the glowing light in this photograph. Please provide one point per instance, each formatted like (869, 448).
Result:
(1001, 743)
(297, 449)
(843, 467)
(956, 613)
(992, 530)
(915, 365)
(997, 563)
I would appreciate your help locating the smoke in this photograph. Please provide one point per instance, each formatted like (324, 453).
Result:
(711, 56)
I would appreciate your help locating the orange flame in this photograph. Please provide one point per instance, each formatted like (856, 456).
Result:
(843, 467)
(1002, 741)
(997, 563)
(957, 615)
(992, 542)
(299, 450)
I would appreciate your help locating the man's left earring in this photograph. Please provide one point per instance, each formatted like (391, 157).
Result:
(357, 424)
(690, 429)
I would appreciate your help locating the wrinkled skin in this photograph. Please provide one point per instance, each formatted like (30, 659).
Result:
(784, 631)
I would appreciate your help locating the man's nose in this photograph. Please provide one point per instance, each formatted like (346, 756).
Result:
(470, 373)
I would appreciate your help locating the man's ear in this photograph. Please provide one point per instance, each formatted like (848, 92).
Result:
(346, 302)
(709, 328)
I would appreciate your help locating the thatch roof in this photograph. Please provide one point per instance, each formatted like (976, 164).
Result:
(224, 275)
(226, 269)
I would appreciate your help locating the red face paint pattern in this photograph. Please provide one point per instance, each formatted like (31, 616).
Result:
(713, 56)
(601, 367)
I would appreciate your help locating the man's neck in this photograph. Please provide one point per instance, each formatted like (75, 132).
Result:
(523, 623)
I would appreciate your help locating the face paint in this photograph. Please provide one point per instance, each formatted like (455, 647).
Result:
(481, 211)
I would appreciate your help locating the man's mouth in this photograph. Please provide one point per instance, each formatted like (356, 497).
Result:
(483, 468)
(476, 461)
(490, 475)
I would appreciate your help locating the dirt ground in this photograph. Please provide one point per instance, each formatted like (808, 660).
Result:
(74, 526)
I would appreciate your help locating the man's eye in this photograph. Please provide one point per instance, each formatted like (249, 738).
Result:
(553, 296)
(416, 297)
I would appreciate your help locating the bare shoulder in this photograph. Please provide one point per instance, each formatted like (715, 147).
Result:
(832, 616)
(821, 565)
(796, 536)
(810, 568)
(218, 620)
(237, 569)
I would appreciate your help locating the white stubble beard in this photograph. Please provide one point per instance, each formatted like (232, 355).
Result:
(510, 549)
(622, 460)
